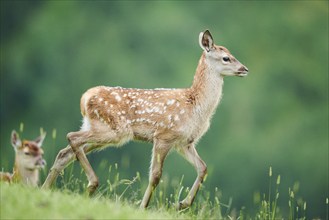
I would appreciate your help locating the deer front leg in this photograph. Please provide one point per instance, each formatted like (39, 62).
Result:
(192, 156)
(63, 159)
(159, 153)
(77, 140)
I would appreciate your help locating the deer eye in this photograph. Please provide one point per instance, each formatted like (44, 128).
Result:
(27, 153)
(226, 59)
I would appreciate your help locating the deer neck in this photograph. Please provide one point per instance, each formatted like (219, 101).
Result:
(206, 90)
(26, 176)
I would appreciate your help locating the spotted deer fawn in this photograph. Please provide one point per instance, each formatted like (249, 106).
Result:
(169, 118)
(28, 160)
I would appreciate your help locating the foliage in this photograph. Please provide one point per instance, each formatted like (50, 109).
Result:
(52, 51)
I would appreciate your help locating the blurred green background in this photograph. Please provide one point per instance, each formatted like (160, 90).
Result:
(52, 51)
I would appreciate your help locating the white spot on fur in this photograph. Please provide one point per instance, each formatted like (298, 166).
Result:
(118, 98)
(148, 110)
(156, 109)
(176, 118)
(96, 113)
(170, 102)
(182, 111)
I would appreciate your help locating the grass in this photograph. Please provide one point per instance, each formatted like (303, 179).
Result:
(119, 199)
(21, 202)
(129, 192)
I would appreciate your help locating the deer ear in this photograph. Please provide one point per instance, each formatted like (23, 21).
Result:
(15, 140)
(206, 41)
(39, 140)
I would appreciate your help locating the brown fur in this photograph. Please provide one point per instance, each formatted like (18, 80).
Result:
(169, 118)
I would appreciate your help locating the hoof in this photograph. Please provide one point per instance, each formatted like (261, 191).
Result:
(182, 205)
(92, 188)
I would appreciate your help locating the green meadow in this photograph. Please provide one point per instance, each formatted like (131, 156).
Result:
(266, 149)
(119, 199)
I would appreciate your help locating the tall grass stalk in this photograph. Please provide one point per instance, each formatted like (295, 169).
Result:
(327, 204)
(269, 191)
(274, 210)
(21, 127)
(291, 204)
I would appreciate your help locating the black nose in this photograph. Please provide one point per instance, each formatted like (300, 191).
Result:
(40, 162)
(243, 69)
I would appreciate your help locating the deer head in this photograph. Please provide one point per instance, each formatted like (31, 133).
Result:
(28, 153)
(220, 58)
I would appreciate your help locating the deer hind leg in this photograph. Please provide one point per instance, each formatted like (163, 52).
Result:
(63, 159)
(190, 154)
(159, 153)
(99, 137)
(77, 140)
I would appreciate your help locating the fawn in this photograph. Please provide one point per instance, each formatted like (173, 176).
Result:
(28, 160)
(169, 118)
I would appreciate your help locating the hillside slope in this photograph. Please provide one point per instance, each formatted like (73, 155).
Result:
(20, 202)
